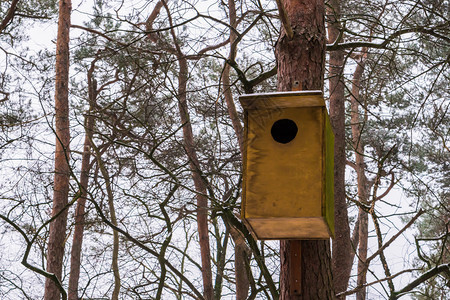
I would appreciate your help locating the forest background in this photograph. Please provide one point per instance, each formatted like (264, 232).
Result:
(152, 177)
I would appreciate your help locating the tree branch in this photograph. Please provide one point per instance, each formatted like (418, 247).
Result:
(9, 15)
(285, 20)
(384, 44)
(421, 279)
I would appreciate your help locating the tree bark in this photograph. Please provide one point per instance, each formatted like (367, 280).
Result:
(57, 234)
(241, 252)
(301, 64)
(301, 61)
(342, 248)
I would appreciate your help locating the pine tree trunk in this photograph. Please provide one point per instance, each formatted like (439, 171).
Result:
(301, 64)
(75, 255)
(241, 252)
(112, 213)
(241, 249)
(189, 145)
(342, 247)
(363, 194)
(57, 234)
(237, 126)
(200, 185)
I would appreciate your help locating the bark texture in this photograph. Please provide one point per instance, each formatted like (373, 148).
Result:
(241, 255)
(7, 20)
(301, 63)
(57, 234)
(316, 274)
(342, 247)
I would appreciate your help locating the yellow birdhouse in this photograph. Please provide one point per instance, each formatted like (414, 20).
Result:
(288, 166)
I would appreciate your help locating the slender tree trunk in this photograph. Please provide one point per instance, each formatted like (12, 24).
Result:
(241, 252)
(301, 63)
(342, 263)
(362, 252)
(241, 249)
(112, 213)
(189, 145)
(199, 183)
(363, 194)
(75, 256)
(57, 234)
(355, 240)
(237, 126)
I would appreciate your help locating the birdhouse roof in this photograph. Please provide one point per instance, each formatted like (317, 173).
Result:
(282, 100)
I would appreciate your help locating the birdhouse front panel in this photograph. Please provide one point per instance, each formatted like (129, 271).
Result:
(285, 166)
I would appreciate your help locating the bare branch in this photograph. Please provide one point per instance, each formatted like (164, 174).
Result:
(9, 15)
(388, 40)
(392, 239)
(392, 184)
(358, 288)
(421, 279)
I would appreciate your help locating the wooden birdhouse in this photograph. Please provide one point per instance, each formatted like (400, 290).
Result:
(288, 166)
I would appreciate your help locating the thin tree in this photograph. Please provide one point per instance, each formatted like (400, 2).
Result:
(241, 250)
(342, 263)
(190, 148)
(362, 181)
(75, 254)
(57, 234)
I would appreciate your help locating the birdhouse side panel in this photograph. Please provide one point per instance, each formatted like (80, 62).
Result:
(244, 167)
(329, 173)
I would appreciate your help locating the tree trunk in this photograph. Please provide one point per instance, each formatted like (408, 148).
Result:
(342, 248)
(237, 126)
(363, 194)
(75, 255)
(189, 145)
(200, 185)
(301, 63)
(112, 213)
(57, 234)
(241, 250)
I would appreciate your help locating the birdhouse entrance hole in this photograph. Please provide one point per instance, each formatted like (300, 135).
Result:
(283, 131)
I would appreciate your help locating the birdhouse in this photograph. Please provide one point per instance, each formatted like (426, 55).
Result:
(288, 166)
